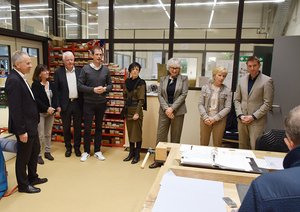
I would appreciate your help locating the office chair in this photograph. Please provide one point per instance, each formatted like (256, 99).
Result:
(272, 141)
(231, 134)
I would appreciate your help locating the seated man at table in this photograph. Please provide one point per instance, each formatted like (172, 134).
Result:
(279, 191)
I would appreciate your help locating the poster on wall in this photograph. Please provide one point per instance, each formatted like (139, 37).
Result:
(243, 66)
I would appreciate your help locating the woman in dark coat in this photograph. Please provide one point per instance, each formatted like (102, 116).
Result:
(46, 99)
(135, 101)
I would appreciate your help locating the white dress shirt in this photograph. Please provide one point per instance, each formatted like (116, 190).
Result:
(72, 83)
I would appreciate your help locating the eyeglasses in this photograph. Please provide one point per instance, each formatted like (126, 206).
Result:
(175, 68)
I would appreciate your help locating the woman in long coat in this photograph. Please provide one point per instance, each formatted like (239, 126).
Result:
(135, 96)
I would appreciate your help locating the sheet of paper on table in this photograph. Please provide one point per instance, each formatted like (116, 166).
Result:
(179, 194)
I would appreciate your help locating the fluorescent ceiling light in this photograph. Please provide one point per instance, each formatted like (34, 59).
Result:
(35, 16)
(40, 9)
(133, 6)
(74, 24)
(33, 5)
(164, 8)
(5, 18)
(5, 7)
(211, 18)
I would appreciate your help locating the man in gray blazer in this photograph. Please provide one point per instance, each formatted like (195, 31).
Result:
(253, 99)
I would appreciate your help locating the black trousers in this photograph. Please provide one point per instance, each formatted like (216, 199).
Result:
(27, 157)
(90, 111)
(73, 112)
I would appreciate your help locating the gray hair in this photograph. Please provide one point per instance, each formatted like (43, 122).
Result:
(65, 54)
(174, 62)
(17, 56)
(292, 125)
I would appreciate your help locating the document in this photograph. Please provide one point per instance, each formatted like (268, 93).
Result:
(223, 158)
(178, 194)
(274, 163)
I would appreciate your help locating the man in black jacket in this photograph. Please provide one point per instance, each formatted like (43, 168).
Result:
(69, 102)
(23, 122)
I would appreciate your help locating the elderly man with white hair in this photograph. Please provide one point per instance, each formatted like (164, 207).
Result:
(69, 102)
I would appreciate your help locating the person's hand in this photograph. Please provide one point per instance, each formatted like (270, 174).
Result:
(23, 138)
(50, 110)
(169, 111)
(135, 116)
(99, 89)
(58, 109)
(247, 119)
(171, 116)
(209, 121)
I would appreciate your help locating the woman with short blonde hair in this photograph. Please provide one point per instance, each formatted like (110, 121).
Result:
(214, 105)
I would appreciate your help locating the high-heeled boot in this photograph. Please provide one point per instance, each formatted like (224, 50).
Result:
(137, 151)
(131, 152)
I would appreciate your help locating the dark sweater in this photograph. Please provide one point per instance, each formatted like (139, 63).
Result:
(89, 79)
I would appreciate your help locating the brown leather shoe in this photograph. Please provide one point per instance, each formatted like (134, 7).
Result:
(155, 165)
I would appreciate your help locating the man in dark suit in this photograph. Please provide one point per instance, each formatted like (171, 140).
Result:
(23, 122)
(69, 102)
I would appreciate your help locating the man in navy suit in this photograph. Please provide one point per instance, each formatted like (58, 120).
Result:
(23, 122)
(69, 102)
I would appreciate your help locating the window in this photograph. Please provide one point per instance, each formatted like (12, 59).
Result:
(4, 60)
(32, 52)
(6, 14)
(35, 17)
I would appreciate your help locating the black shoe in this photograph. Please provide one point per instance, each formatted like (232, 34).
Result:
(136, 157)
(129, 157)
(155, 165)
(30, 189)
(68, 153)
(39, 181)
(48, 156)
(135, 160)
(77, 153)
(40, 160)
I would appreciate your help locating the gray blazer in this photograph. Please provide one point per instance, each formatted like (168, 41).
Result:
(260, 99)
(181, 91)
(224, 102)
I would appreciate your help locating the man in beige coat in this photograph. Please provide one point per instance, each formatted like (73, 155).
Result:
(253, 100)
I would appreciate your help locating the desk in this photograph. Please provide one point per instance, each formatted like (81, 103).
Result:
(172, 160)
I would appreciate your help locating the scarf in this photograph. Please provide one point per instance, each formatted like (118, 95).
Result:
(132, 84)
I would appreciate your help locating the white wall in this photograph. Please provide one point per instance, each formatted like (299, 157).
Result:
(191, 126)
